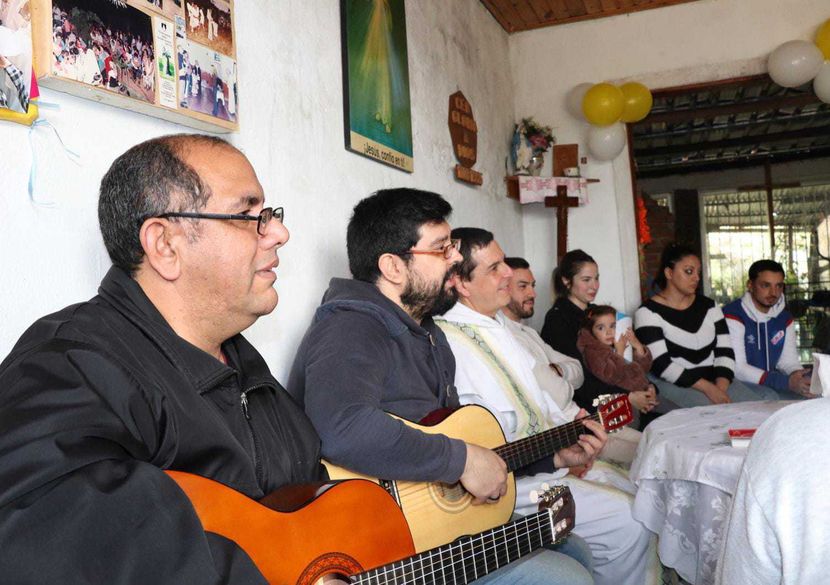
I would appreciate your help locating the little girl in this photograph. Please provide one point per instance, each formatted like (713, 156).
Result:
(603, 357)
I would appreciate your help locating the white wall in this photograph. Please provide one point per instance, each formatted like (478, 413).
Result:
(292, 130)
(292, 126)
(678, 45)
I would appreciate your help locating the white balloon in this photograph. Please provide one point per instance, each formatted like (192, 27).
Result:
(573, 101)
(794, 63)
(607, 142)
(821, 84)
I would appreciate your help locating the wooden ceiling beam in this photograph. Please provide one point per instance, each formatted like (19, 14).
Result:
(718, 165)
(512, 20)
(668, 92)
(541, 8)
(594, 7)
(496, 12)
(576, 8)
(560, 11)
(525, 12)
(762, 105)
(754, 140)
(821, 117)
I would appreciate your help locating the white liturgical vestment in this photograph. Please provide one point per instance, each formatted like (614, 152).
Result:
(494, 370)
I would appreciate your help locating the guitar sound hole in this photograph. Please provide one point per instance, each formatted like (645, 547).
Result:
(330, 568)
(451, 497)
(333, 579)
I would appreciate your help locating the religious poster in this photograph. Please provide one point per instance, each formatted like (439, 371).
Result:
(378, 116)
(15, 55)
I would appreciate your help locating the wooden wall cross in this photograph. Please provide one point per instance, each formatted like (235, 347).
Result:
(561, 202)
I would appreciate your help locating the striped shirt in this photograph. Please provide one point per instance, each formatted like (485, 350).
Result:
(687, 345)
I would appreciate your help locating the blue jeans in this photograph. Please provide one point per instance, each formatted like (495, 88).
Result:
(773, 393)
(576, 548)
(689, 397)
(543, 567)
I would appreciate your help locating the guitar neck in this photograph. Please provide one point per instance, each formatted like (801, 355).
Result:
(525, 451)
(469, 557)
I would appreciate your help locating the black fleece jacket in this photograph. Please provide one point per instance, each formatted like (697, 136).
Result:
(95, 401)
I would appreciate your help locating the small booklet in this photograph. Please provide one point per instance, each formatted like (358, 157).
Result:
(741, 437)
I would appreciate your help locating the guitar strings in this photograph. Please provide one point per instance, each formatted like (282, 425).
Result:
(454, 555)
(418, 494)
(528, 533)
(517, 454)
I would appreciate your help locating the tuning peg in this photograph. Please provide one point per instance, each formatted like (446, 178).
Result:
(545, 486)
(533, 495)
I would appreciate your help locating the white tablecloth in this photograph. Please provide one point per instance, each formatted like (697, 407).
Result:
(686, 471)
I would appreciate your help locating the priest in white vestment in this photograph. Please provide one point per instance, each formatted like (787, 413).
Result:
(556, 373)
(494, 370)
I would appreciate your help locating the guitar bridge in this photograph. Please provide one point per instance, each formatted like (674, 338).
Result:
(391, 488)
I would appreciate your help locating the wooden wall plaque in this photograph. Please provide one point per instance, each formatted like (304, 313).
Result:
(464, 136)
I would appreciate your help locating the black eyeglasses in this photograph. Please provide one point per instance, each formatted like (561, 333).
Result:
(263, 218)
(446, 250)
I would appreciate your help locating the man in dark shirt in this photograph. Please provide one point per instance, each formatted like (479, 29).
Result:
(151, 374)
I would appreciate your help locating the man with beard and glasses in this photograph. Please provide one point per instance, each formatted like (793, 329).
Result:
(373, 349)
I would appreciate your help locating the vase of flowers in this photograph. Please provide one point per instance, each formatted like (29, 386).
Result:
(530, 142)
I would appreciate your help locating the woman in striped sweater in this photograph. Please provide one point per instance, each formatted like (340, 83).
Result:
(688, 337)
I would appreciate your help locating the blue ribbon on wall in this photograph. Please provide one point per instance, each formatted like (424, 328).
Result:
(70, 154)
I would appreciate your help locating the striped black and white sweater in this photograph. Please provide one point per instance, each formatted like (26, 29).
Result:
(687, 345)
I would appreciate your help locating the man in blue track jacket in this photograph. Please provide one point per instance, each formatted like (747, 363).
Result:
(763, 335)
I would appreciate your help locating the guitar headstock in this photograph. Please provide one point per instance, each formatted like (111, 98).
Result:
(559, 503)
(614, 411)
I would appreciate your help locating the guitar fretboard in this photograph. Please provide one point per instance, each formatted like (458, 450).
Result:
(531, 449)
(469, 557)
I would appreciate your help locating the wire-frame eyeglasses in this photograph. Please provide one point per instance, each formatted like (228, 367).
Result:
(446, 250)
(263, 218)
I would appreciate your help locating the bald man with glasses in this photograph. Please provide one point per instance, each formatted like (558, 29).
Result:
(151, 374)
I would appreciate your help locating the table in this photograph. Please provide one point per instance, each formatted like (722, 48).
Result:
(686, 471)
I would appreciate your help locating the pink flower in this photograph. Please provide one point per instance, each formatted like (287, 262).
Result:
(538, 142)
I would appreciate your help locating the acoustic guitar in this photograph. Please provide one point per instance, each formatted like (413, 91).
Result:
(439, 512)
(353, 532)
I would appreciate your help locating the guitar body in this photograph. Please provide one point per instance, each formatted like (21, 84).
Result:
(438, 513)
(349, 527)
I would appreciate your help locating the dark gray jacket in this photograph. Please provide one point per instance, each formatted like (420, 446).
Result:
(364, 355)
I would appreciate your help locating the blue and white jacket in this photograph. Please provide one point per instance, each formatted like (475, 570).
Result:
(764, 343)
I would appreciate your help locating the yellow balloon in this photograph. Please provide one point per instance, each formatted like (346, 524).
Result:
(26, 119)
(823, 39)
(603, 104)
(638, 101)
